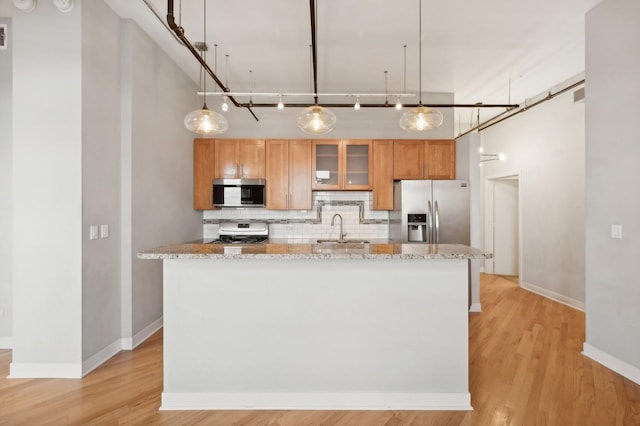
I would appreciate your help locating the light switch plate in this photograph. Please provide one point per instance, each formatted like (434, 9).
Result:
(104, 231)
(93, 232)
(616, 231)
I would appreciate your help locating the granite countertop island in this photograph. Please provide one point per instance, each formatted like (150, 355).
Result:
(300, 325)
(305, 249)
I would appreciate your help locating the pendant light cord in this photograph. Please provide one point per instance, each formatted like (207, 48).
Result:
(204, 51)
(420, 51)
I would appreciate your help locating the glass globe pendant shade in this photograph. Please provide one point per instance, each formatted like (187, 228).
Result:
(206, 122)
(316, 120)
(420, 119)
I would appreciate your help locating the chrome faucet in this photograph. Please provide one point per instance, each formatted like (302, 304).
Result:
(333, 219)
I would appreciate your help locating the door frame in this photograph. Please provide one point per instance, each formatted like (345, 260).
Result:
(488, 226)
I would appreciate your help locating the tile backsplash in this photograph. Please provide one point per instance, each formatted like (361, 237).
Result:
(354, 207)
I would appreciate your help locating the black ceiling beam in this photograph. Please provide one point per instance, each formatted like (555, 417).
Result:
(179, 31)
(314, 49)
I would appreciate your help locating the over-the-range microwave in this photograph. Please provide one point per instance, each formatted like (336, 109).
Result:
(238, 192)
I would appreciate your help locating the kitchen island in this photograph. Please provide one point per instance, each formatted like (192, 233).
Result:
(315, 326)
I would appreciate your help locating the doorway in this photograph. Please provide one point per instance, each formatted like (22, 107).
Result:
(504, 225)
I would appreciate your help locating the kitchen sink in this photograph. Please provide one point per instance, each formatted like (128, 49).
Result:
(344, 241)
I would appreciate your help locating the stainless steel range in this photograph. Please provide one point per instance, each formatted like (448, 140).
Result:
(242, 233)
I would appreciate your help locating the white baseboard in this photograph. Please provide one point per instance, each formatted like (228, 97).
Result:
(28, 370)
(101, 357)
(6, 342)
(573, 303)
(314, 401)
(76, 371)
(621, 367)
(475, 307)
(142, 335)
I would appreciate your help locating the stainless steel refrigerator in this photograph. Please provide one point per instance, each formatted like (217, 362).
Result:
(430, 211)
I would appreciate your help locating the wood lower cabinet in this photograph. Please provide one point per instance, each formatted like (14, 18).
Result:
(203, 168)
(382, 152)
(424, 159)
(239, 158)
(288, 175)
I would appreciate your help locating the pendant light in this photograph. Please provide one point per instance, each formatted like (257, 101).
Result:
(420, 118)
(204, 121)
(316, 120)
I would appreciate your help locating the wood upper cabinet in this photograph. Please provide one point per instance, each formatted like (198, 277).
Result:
(424, 159)
(408, 159)
(440, 159)
(288, 174)
(342, 164)
(203, 171)
(239, 158)
(382, 152)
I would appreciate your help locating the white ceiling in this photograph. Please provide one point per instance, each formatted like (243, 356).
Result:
(491, 51)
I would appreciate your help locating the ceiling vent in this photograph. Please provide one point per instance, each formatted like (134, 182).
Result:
(578, 95)
(3, 36)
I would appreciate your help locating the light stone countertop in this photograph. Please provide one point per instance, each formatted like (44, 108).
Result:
(304, 249)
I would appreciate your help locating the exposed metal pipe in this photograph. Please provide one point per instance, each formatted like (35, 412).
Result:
(314, 50)
(492, 121)
(164, 24)
(179, 31)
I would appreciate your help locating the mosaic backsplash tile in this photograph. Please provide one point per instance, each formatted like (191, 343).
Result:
(354, 207)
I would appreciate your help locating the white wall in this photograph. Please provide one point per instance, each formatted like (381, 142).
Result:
(6, 188)
(467, 158)
(100, 177)
(158, 157)
(613, 150)
(47, 191)
(545, 146)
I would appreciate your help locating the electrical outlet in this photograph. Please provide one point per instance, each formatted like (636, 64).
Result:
(104, 231)
(93, 232)
(616, 231)
(1, 312)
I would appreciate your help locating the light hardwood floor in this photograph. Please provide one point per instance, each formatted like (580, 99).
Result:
(525, 369)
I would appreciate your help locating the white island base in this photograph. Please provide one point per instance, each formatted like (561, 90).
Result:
(316, 334)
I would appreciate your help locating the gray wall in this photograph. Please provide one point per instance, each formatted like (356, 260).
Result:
(613, 197)
(365, 123)
(159, 158)
(6, 189)
(105, 150)
(100, 176)
(545, 146)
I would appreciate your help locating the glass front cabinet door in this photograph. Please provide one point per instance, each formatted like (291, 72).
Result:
(342, 164)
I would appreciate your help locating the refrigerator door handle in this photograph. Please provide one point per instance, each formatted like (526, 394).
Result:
(437, 221)
(429, 223)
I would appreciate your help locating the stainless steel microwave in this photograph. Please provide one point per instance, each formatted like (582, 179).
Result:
(238, 192)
